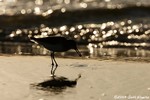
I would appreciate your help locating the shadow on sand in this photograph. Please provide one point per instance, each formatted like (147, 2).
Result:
(56, 84)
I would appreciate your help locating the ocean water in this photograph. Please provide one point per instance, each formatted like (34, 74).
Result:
(102, 28)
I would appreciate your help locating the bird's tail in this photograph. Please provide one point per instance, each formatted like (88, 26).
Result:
(33, 39)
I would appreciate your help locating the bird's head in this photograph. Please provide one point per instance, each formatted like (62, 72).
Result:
(73, 45)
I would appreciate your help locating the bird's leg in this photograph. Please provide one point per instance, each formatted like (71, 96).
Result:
(56, 65)
(52, 63)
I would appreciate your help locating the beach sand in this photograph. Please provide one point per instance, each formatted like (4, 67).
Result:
(100, 79)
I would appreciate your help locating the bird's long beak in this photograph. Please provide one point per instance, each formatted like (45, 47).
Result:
(78, 52)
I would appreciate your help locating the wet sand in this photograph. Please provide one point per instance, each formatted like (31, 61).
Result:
(100, 79)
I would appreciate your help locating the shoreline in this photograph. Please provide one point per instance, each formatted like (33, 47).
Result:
(123, 59)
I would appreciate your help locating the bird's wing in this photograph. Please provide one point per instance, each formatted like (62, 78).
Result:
(51, 40)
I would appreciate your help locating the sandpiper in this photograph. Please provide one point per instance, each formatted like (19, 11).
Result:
(56, 44)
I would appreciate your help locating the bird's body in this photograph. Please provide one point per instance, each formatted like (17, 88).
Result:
(56, 44)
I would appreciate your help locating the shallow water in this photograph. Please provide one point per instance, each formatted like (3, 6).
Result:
(87, 51)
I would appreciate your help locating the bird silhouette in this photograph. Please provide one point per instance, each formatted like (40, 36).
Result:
(56, 44)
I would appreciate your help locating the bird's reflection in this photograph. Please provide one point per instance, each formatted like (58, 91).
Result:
(56, 84)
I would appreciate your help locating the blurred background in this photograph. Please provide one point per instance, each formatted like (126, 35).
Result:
(102, 28)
